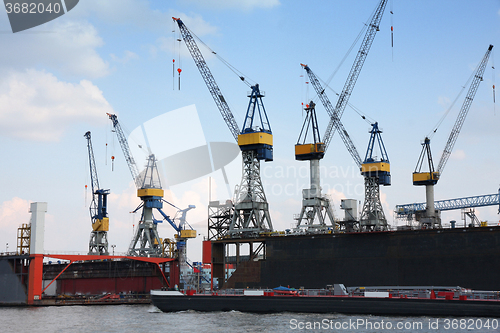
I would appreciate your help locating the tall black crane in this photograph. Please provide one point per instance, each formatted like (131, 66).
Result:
(251, 209)
(313, 201)
(431, 218)
(98, 243)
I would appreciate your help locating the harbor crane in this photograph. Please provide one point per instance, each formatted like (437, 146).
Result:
(467, 204)
(315, 205)
(98, 244)
(146, 241)
(431, 217)
(313, 202)
(251, 209)
(376, 171)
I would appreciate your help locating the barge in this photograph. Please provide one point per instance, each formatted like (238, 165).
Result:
(426, 302)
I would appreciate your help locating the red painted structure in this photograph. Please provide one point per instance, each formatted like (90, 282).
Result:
(207, 252)
(35, 278)
(99, 286)
(95, 285)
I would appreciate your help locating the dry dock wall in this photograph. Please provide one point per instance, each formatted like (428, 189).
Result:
(466, 257)
(12, 290)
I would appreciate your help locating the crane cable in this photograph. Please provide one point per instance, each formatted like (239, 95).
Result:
(361, 33)
(327, 82)
(173, 60)
(431, 134)
(493, 80)
(392, 32)
(363, 115)
(238, 73)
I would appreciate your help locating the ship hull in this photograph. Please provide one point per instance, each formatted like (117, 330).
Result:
(465, 257)
(331, 304)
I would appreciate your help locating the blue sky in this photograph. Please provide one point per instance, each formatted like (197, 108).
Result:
(58, 80)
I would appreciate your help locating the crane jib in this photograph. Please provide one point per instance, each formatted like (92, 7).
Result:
(126, 150)
(207, 76)
(478, 77)
(349, 84)
(253, 136)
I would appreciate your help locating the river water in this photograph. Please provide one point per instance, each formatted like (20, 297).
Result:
(147, 318)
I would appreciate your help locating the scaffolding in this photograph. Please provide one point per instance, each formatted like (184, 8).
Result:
(23, 239)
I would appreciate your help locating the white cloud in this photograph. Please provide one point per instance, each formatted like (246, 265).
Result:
(458, 154)
(386, 207)
(444, 102)
(240, 4)
(197, 26)
(125, 201)
(35, 105)
(139, 13)
(335, 195)
(69, 47)
(135, 12)
(129, 55)
(13, 213)
(170, 46)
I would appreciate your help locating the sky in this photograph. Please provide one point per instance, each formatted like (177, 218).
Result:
(58, 81)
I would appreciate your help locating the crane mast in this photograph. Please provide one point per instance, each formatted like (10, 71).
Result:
(251, 209)
(431, 218)
(316, 207)
(376, 171)
(98, 243)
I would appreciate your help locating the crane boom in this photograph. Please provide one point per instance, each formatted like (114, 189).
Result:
(98, 206)
(93, 170)
(219, 99)
(478, 77)
(334, 116)
(126, 149)
(372, 29)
